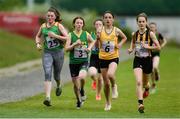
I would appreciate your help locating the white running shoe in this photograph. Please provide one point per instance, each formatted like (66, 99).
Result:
(83, 98)
(153, 90)
(107, 107)
(114, 92)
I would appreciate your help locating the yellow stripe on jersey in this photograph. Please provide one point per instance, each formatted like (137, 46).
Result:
(45, 24)
(108, 44)
(145, 38)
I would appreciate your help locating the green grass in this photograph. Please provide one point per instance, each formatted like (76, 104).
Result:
(15, 49)
(164, 103)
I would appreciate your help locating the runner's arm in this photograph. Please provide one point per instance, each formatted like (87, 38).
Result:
(123, 37)
(155, 41)
(62, 37)
(69, 46)
(132, 45)
(91, 42)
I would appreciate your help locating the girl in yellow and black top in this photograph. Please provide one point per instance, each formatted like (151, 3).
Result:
(142, 43)
(79, 44)
(109, 55)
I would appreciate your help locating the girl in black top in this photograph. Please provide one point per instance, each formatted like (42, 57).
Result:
(142, 44)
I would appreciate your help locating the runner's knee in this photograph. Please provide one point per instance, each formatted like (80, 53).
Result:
(92, 71)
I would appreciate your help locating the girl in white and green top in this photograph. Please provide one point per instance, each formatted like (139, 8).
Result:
(52, 35)
(79, 45)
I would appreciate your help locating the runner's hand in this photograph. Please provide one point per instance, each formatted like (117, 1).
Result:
(39, 46)
(145, 45)
(78, 42)
(130, 51)
(51, 34)
(88, 50)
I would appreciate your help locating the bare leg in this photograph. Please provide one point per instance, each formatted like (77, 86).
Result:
(92, 71)
(111, 75)
(139, 91)
(106, 85)
(139, 83)
(99, 87)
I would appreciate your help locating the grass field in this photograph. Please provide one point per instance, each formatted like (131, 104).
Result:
(165, 103)
(15, 49)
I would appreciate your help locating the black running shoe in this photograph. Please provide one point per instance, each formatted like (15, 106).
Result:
(141, 108)
(47, 102)
(83, 96)
(58, 91)
(79, 104)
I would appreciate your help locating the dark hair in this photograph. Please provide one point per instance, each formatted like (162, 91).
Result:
(56, 12)
(109, 13)
(97, 20)
(141, 15)
(78, 17)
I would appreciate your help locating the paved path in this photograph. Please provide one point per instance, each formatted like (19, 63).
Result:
(26, 79)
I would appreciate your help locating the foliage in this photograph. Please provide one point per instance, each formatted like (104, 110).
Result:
(88, 16)
(119, 7)
(127, 31)
(7, 5)
(124, 7)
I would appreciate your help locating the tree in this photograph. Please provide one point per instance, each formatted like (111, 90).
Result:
(7, 5)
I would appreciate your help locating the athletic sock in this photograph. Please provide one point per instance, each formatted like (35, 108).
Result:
(146, 89)
(140, 101)
(48, 98)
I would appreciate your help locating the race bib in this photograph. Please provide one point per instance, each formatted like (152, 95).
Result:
(52, 43)
(80, 52)
(108, 46)
(140, 50)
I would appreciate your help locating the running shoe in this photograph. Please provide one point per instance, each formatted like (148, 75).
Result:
(78, 104)
(153, 88)
(114, 92)
(141, 108)
(47, 102)
(98, 97)
(58, 91)
(107, 107)
(93, 85)
(145, 94)
(83, 96)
